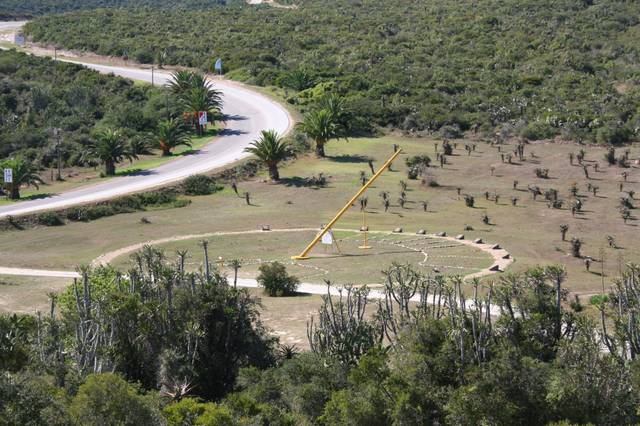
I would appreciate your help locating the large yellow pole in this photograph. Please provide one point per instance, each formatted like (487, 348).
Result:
(305, 252)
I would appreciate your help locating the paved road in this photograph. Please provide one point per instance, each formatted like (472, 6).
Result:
(11, 25)
(248, 112)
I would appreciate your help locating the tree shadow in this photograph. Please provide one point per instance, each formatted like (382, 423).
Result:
(301, 182)
(189, 152)
(234, 117)
(345, 158)
(232, 132)
(37, 196)
(136, 172)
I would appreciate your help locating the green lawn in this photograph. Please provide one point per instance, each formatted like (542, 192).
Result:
(530, 231)
(345, 266)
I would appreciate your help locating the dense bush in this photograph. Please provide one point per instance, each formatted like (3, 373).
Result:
(50, 219)
(27, 8)
(38, 94)
(200, 185)
(558, 67)
(189, 349)
(126, 204)
(276, 280)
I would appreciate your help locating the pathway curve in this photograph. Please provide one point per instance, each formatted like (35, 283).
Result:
(248, 114)
(501, 257)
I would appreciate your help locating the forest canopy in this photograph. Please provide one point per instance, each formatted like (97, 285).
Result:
(537, 69)
(28, 8)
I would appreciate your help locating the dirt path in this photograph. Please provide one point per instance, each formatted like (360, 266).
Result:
(501, 257)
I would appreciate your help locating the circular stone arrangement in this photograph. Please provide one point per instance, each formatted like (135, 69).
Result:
(430, 253)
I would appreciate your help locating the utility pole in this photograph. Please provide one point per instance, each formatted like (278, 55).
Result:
(152, 77)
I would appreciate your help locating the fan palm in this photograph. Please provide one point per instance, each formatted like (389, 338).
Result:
(170, 134)
(334, 104)
(110, 148)
(196, 94)
(24, 173)
(320, 126)
(181, 81)
(271, 149)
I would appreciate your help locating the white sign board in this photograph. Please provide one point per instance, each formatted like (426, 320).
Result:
(327, 238)
(8, 175)
(202, 118)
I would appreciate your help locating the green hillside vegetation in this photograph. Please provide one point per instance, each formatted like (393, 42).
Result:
(28, 8)
(38, 95)
(536, 69)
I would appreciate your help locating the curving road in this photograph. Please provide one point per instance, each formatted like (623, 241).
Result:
(248, 113)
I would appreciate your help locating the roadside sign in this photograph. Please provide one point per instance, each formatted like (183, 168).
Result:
(19, 39)
(202, 118)
(327, 238)
(8, 175)
(218, 65)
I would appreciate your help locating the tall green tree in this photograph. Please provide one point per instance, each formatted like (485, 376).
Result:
(320, 125)
(170, 134)
(110, 148)
(24, 173)
(271, 149)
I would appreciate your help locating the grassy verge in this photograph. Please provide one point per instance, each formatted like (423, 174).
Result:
(530, 230)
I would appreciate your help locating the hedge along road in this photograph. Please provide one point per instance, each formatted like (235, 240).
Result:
(248, 113)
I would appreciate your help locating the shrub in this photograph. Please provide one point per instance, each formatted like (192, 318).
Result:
(50, 219)
(276, 281)
(613, 135)
(538, 130)
(248, 169)
(469, 201)
(451, 132)
(447, 148)
(200, 185)
(418, 161)
(413, 173)
(109, 399)
(610, 156)
(542, 173)
(576, 245)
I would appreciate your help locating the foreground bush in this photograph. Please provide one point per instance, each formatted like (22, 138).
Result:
(108, 399)
(200, 185)
(276, 281)
(50, 219)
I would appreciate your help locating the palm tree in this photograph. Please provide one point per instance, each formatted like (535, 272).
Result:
(320, 126)
(334, 104)
(110, 148)
(182, 81)
(24, 173)
(170, 134)
(271, 149)
(196, 94)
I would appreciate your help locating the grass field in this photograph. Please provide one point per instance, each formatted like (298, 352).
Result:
(530, 231)
(345, 266)
(28, 294)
